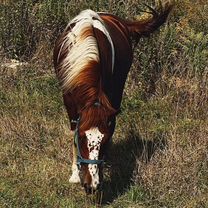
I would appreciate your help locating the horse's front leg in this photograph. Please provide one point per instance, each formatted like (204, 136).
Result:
(73, 115)
(75, 171)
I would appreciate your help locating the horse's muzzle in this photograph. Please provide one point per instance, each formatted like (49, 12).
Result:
(90, 190)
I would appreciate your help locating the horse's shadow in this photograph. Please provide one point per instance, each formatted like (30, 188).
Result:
(122, 162)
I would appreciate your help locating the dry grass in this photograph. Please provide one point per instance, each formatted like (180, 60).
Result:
(176, 176)
(159, 155)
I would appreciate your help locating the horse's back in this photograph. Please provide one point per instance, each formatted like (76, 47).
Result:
(94, 47)
(123, 55)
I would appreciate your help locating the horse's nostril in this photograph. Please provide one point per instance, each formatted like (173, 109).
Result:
(99, 186)
(87, 188)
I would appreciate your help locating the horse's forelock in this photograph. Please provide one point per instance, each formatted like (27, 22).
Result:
(96, 116)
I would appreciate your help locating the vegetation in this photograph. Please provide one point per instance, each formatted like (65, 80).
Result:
(159, 153)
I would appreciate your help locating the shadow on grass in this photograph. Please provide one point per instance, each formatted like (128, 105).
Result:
(122, 162)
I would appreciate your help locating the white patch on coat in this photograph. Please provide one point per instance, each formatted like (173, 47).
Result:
(100, 26)
(94, 138)
(80, 52)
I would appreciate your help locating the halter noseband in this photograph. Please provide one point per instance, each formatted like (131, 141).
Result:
(80, 159)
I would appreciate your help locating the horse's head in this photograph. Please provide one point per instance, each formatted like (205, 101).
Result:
(91, 144)
(91, 159)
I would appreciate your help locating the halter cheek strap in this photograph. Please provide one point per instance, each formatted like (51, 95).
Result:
(80, 159)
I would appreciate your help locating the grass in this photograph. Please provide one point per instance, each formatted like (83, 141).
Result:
(159, 153)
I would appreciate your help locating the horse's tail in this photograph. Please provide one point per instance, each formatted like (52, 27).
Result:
(150, 21)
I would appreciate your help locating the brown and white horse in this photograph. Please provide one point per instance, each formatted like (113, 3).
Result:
(92, 58)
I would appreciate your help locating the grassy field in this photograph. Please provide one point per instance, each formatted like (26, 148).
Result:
(159, 155)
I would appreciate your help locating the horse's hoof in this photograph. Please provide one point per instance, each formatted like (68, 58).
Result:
(74, 178)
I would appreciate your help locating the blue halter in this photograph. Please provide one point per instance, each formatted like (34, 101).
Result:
(80, 159)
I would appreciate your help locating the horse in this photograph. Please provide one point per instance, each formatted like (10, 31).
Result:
(92, 58)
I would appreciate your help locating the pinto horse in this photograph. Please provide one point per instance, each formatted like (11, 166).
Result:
(92, 58)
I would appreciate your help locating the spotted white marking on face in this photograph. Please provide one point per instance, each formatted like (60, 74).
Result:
(94, 139)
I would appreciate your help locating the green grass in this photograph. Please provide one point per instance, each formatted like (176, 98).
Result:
(159, 153)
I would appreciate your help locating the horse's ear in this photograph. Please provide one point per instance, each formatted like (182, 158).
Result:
(116, 112)
(104, 101)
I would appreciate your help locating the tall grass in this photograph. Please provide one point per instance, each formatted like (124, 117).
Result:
(159, 153)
